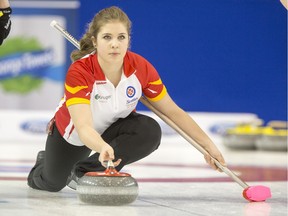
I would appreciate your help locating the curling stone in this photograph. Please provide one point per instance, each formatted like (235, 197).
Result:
(108, 188)
(273, 139)
(242, 137)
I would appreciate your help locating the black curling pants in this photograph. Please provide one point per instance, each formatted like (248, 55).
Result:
(132, 139)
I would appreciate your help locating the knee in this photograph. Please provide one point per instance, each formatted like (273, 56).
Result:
(50, 187)
(43, 183)
(150, 131)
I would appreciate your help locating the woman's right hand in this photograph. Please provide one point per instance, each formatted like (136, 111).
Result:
(107, 153)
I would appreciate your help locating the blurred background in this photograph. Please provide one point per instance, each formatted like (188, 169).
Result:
(214, 56)
(224, 56)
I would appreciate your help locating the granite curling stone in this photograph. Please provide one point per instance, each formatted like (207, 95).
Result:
(109, 188)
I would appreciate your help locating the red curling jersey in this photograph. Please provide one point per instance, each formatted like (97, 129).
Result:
(87, 84)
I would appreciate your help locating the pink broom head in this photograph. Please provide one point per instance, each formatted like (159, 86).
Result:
(257, 193)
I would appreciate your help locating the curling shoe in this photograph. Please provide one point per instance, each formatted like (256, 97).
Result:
(39, 160)
(72, 180)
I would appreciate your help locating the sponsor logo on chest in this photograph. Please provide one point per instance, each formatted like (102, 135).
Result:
(102, 98)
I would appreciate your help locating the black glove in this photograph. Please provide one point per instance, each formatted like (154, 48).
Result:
(5, 23)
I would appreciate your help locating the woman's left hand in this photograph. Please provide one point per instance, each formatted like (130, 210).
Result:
(216, 154)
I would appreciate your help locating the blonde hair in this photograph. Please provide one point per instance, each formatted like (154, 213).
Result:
(101, 18)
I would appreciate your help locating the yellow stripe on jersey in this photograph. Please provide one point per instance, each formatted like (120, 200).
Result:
(77, 101)
(160, 96)
(157, 82)
(74, 90)
(1, 13)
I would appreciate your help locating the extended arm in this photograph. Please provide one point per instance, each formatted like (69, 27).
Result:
(82, 119)
(167, 107)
